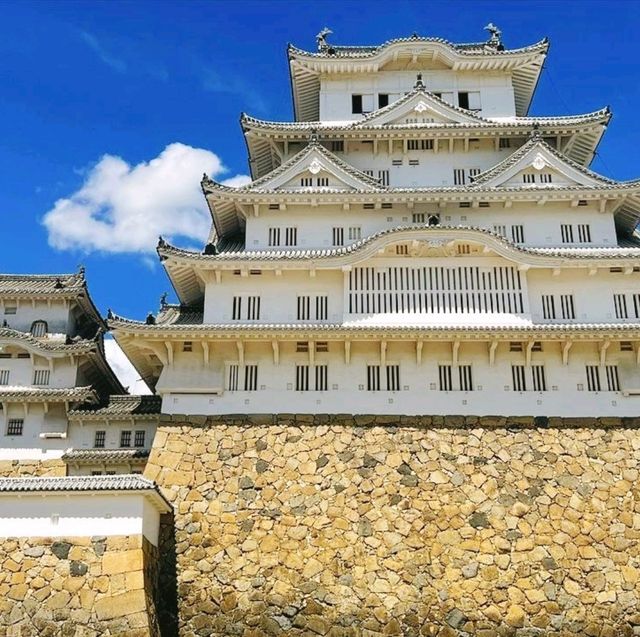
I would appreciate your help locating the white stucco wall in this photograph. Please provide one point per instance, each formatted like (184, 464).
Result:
(78, 514)
(56, 313)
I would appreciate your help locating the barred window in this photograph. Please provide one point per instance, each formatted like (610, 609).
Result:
(138, 440)
(125, 438)
(517, 234)
(548, 306)
(355, 233)
(99, 439)
(337, 236)
(39, 329)
(4, 376)
(15, 426)
(274, 236)
(465, 378)
(613, 380)
(566, 233)
(444, 375)
(417, 217)
(323, 181)
(383, 177)
(232, 377)
(236, 314)
(41, 377)
(518, 377)
(302, 377)
(251, 377)
(568, 306)
(373, 377)
(459, 176)
(322, 376)
(529, 178)
(306, 181)
(620, 306)
(290, 236)
(322, 308)
(593, 378)
(584, 233)
(304, 308)
(253, 308)
(546, 178)
(337, 146)
(538, 378)
(393, 377)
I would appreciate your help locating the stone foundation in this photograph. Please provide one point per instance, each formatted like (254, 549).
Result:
(81, 587)
(345, 526)
(32, 468)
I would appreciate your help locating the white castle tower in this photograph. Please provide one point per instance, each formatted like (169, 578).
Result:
(413, 243)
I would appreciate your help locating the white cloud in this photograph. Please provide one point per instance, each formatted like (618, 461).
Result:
(123, 208)
(123, 369)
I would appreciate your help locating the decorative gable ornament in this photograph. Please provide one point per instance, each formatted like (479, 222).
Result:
(539, 162)
(421, 107)
(315, 166)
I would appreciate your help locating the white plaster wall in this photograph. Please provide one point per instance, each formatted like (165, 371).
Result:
(82, 435)
(57, 314)
(21, 370)
(496, 90)
(77, 514)
(541, 224)
(493, 394)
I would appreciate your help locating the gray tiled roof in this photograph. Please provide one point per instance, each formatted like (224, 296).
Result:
(51, 345)
(129, 406)
(36, 284)
(47, 394)
(124, 482)
(471, 48)
(109, 456)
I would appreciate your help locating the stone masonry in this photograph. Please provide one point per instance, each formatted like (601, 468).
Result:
(365, 525)
(32, 468)
(78, 587)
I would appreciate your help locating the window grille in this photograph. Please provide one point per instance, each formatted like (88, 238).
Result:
(15, 427)
(620, 305)
(369, 173)
(515, 346)
(465, 378)
(383, 177)
(337, 146)
(414, 162)
(355, 233)
(501, 230)
(250, 377)
(236, 313)
(232, 378)
(322, 376)
(593, 378)
(402, 250)
(538, 378)
(463, 248)
(420, 144)
(568, 306)
(613, 380)
(337, 235)
(322, 308)
(274, 206)
(302, 346)
(566, 233)
(290, 236)
(417, 217)
(138, 440)
(253, 308)
(505, 142)
(304, 308)
(529, 178)
(323, 181)
(99, 439)
(10, 309)
(548, 306)
(322, 346)
(4, 376)
(373, 377)
(584, 233)
(518, 377)
(546, 178)
(393, 377)
(41, 377)
(635, 298)
(187, 346)
(39, 329)
(474, 172)
(517, 234)
(396, 162)
(305, 182)
(125, 438)
(444, 376)
(302, 377)
(458, 177)
(435, 289)
(274, 236)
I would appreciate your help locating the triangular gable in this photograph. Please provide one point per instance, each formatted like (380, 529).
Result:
(315, 167)
(419, 107)
(536, 164)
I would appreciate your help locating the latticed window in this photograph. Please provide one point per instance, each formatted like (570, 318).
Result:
(518, 377)
(138, 440)
(39, 329)
(4, 376)
(593, 378)
(250, 377)
(41, 377)
(15, 427)
(125, 438)
(99, 439)
(613, 380)
(538, 378)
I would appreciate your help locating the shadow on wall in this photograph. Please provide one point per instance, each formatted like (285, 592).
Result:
(167, 598)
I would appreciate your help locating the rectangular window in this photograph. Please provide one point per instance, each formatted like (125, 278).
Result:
(356, 104)
(15, 427)
(529, 178)
(444, 376)
(393, 377)
(4, 376)
(306, 182)
(337, 236)
(538, 378)
(41, 377)
(417, 217)
(465, 378)
(138, 440)
(253, 308)
(463, 99)
(187, 346)
(473, 172)
(10, 309)
(274, 236)
(373, 377)
(584, 233)
(414, 162)
(568, 306)
(383, 100)
(505, 142)
(517, 234)
(337, 146)
(566, 233)
(250, 377)
(620, 305)
(613, 380)
(635, 298)
(593, 378)
(383, 177)
(458, 176)
(322, 377)
(500, 229)
(322, 346)
(420, 144)
(546, 178)
(355, 233)
(125, 438)
(232, 378)
(304, 308)
(548, 306)
(402, 250)
(322, 308)
(302, 346)
(236, 313)
(99, 439)
(290, 236)
(323, 181)
(302, 377)
(518, 377)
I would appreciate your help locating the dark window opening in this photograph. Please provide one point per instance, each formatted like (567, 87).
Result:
(463, 100)
(383, 100)
(356, 103)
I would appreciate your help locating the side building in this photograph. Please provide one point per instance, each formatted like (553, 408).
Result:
(62, 408)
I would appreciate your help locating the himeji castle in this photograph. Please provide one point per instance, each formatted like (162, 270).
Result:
(414, 242)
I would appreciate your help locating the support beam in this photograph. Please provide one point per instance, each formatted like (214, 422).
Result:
(528, 351)
(602, 351)
(383, 353)
(275, 346)
(419, 345)
(240, 346)
(455, 348)
(347, 352)
(169, 346)
(205, 353)
(566, 346)
(493, 346)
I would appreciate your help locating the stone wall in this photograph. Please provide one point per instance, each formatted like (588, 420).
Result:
(341, 526)
(80, 586)
(31, 468)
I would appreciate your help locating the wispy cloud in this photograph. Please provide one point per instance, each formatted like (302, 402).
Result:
(110, 60)
(232, 85)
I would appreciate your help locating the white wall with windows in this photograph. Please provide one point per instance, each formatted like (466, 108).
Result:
(495, 99)
(20, 367)
(518, 383)
(20, 314)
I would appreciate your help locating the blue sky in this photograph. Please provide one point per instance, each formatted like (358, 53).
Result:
(118, 108)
